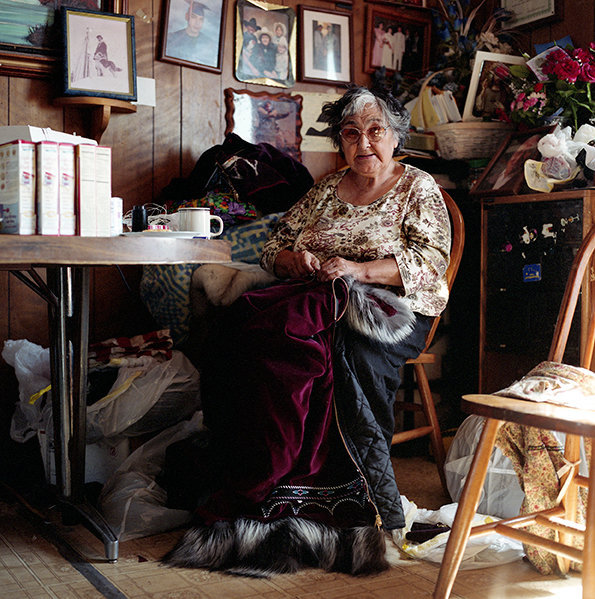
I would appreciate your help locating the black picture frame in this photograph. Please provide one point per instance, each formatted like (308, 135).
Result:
(194, 34)
(99, 54)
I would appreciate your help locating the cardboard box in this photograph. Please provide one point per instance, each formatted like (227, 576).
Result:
(86, 214)
(48, 186)
(36, 134)
(66, 194)
(103, 190)
(17, 188)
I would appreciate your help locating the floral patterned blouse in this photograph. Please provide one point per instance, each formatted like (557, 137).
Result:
(410, 222)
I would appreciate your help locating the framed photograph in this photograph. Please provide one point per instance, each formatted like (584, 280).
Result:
(314, 130)
(398, 37)
(194, 33)
(488, 93)
(29, 46)
(325, 46)
(260, 117)
(505, 173)
(99, 54)
(265, 43)
(534, 12)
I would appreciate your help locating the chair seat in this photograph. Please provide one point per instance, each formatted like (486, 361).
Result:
(531, 413)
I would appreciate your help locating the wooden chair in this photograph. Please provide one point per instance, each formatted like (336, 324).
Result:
(574, 422)
(432, 426)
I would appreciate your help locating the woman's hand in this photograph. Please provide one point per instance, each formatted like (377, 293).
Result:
(338, 267)
(296, 265)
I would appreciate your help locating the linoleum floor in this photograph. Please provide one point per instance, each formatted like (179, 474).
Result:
(36, 564)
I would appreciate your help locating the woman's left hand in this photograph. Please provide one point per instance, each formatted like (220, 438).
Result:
(338, 267)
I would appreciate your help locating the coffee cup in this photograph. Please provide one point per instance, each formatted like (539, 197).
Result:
(198, 220)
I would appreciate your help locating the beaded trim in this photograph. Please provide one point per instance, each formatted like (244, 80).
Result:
(328, 498)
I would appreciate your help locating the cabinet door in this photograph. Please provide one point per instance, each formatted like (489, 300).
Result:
(528, 249)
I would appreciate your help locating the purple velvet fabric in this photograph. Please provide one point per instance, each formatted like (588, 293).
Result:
(268, 395)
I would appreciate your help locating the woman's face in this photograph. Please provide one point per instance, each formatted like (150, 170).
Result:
(365, 157)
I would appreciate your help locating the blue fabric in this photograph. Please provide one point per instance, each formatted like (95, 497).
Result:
(165, 289)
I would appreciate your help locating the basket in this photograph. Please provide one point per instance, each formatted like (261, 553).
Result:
(473, 139)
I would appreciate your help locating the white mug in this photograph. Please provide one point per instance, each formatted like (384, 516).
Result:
(198, 220)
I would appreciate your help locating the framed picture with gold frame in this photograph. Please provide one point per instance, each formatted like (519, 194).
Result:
(260, 117)
(265, 44)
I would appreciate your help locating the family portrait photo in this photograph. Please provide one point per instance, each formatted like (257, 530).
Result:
(265, 44)
(193, 33)
(397, 39)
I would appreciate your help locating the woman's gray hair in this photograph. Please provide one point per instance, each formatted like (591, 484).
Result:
(355, 99)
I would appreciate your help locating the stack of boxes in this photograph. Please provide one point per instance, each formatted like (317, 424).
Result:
(53, 183)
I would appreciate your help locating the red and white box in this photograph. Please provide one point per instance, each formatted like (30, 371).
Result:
(17, 188)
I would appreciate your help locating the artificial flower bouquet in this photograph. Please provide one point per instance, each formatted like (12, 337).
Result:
(565, 159)
(554, 86)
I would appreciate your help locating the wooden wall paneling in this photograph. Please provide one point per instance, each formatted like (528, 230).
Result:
(202, 103)
(167, 148)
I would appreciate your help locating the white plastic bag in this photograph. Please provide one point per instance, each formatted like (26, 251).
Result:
(501, 495)
(31, 363)
(480, 552)
(141, 383)
(131, 501)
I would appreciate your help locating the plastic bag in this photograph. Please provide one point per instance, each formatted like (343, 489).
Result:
(31, 363)
(501, 495)
(131, 501)
(148, 396)
(480, 552)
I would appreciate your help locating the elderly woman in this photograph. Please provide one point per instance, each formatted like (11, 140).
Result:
(301, 377)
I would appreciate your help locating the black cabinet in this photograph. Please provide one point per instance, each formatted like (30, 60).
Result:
(528, 244)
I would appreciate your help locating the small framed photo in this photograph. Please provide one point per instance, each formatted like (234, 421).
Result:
(99, 54)
(488, 93)
(398, 37)
(194, 33)
(265, 43)
(260, 117)
(505, 173)
(536, 13)
(325, 46)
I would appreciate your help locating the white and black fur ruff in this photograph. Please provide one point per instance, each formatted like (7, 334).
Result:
(250, 548)
(366, 316)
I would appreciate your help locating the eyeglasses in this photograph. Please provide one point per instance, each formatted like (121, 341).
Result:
(352, 134)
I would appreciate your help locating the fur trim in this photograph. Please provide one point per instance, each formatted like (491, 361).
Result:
(257, 549)
(365, 313)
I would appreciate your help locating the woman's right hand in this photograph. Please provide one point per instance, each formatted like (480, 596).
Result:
(296, 265)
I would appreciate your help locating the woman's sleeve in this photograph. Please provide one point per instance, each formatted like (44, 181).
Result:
(425, 250)
(287, 229)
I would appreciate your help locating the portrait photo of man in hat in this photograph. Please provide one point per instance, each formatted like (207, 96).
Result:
(195, 40)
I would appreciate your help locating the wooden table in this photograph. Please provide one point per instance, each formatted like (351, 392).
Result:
(68, 261)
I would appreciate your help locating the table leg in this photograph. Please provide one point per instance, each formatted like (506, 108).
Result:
(69, 333)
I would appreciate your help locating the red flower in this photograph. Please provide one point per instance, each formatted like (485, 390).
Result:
(567, 70)
(587, 73)
(538, 86)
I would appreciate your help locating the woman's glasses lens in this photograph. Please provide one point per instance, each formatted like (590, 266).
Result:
(352, 135)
